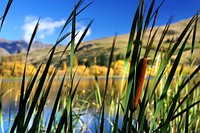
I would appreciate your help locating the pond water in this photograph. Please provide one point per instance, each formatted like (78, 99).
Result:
(10, 94)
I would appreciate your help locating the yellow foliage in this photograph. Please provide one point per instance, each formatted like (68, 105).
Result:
(64, 65)
(7, 68)
(100, 70)
(80, 70)
(6, 73)
(118, 68)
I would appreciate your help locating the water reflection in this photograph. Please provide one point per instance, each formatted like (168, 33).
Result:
(10, 89)
(10, 94)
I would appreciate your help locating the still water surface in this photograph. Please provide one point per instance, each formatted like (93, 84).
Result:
(10, 94)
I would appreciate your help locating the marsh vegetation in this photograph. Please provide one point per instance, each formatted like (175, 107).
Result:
(168, 102)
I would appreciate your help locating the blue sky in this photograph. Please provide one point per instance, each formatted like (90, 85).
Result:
(111, 16)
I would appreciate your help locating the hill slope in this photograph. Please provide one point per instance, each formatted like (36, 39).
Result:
(95, 49)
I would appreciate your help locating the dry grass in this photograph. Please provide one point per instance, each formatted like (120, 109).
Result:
(102, 45)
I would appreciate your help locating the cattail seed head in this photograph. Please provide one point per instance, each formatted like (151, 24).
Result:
(140, 77)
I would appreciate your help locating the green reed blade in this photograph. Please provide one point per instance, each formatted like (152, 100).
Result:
(137, 22)
(21, 113)
(70, 18)
(73, 31)
(24, 73)
(55, 106)
(151, 14)
(102, 119)
(173, 110)
(149, 45)
(63, 120)
(189, 93)
(25, 100)
(141, 115)
(185, 83)
(109, 67)
(5, 13)
(194, 36)
(38, 91)
(194, 119)
(148, 18)
(134, 60)
(128, 53)
(166, 87)
(162, 38)
(106, 86)
(187, 112)
(69, 102)
(168, 57)
(76, 87)
(129, 47)
(184, 110)
(97, 91)
(42, 103)
(115, 128)
(133, 65)
(83, 35)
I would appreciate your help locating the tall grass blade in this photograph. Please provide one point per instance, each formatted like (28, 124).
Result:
(106, 86)
(115, 128)
(21, 106)
(70, 18)
(148, 18)
(171, 115)
(97, 91)
(184, 110)
(168, 57)
(5, 13)
(69, 102)
(187, 113)
(189, 93)
(194, 36)
(83, 35)
(38, 91)
(55, 106)
(167, 84)
(150, 14)
(141, 115)
(76, 87)
(72, 42)
(21, 113)
(126, 61)
(162, 38)
(63, 119)
(42, 104)
(129, 47)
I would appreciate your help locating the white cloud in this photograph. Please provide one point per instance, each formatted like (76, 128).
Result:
(80, 30)
(46, 27)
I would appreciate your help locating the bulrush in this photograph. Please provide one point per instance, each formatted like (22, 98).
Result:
(140, 77)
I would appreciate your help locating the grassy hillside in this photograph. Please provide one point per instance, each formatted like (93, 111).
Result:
(94, 49)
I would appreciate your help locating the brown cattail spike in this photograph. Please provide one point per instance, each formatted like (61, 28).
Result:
(140, 77)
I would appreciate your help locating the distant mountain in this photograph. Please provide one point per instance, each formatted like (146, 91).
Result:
(20, 45)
